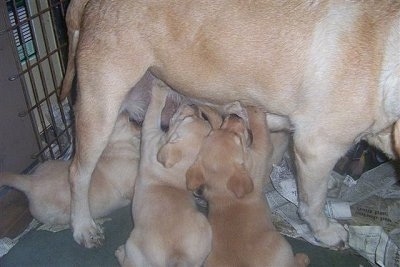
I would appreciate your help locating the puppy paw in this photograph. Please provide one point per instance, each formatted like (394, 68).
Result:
(89, 235)
(160, 89)
(301, 260)
(120, 254)
(334, 236)
(236, 108)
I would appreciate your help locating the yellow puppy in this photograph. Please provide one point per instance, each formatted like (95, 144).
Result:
(111, 187)
(168, 231)
(231, 167)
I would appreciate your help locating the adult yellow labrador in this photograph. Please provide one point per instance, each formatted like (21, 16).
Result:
(330, 67)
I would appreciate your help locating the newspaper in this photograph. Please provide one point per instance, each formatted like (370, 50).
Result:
(368, 207)
(7, 243)
(373, 243)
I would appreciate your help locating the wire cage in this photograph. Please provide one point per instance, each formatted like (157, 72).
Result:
(38, 30)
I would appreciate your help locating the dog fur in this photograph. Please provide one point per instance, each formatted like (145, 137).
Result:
(137, 101)
(330, 67)
(231, 169)
(111, 187)
(169, 230)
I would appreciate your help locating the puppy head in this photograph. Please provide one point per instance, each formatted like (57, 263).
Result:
(235, 124)
(220, 163)
(184, 137)
(211, 115)
(240, 183)
(170, 153)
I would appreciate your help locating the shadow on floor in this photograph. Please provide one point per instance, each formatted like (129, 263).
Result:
(41, 248)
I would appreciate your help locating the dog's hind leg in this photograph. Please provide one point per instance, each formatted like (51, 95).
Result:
(315, 157)
(103, 84)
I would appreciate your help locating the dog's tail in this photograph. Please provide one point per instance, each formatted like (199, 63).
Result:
(18, 181)
(73, 20)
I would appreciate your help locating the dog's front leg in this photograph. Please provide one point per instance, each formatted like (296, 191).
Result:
(85, 231)
(96, 111)
(315, 158)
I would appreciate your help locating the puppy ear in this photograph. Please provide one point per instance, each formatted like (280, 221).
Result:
(240, 183)
(194, 177)
(169, 154)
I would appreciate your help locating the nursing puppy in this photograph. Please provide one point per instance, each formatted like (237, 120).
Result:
(111, 187)
(331, 68)
(231, 169)
(168, 231)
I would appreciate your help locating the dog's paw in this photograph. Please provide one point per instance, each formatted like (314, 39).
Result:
(90, 236)
(334, 236)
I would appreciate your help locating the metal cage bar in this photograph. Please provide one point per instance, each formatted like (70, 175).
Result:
(41, 46)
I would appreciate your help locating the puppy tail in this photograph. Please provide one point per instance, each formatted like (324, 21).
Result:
(17, 181)
(178, 260)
